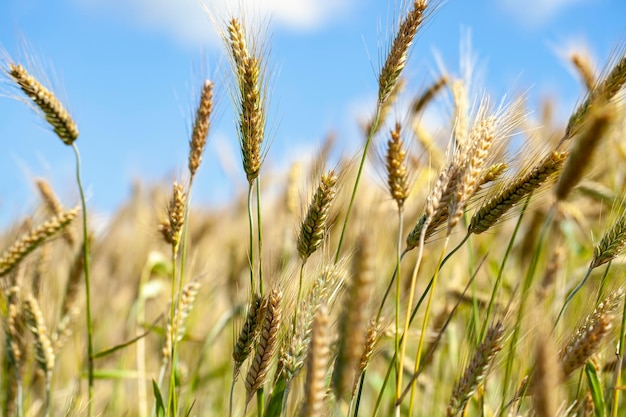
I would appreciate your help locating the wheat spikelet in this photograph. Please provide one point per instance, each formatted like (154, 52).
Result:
(12, 256)
(63, 329)
(612, 243)
(373, 333)
(314, 224)
(585, 69)
(238, 45)
(426, 97)
(317, 365)
(177, 328)
(397, 57)
(266, 344)
(603, 91)
(384, 109)
(476, 370)
(44, 352)
(248, 333)
(352, 325)
(200, 129)
(492, 173)
(397, 176)
(173, 226)
(589, 336)
(51, 107)
(584, 149)
(489, 213)
(55, 206)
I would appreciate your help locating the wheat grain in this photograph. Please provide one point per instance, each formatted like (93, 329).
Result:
(397, 175)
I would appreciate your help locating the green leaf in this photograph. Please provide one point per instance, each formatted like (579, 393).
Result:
(158, 398)
(596, 389)
(275, 403)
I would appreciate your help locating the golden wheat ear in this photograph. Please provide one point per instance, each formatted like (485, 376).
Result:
(50, 106)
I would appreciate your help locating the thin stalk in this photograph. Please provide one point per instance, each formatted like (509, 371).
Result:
(260, 232)
(86, 269)
(571, 296)
(18, 380)
(618, 369)
(418, 355)
(358, 397)
(251, 240)
(398, 291)
(405, 331)
(358, 177)
(603, 282)
(47, 412)
(496, 285)
(295, 314)
(260, 402)
(171, 401)
(524, 296)
(413, 314)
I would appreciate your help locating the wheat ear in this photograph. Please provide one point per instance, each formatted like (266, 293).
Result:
(12, 256)
(248, 333)
(200, 130)
(398, 54)
(397, 175)
(612, 243)
(476, 370)
(266, 344)
(317, 365)
(491, 211)
(51, 107)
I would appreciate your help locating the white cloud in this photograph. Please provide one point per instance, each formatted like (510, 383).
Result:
(187, 21)
(535, 13)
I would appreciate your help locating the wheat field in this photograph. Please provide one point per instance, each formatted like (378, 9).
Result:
(482, 276)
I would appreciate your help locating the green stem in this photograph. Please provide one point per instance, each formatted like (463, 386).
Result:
(171, 402)
(398, 292)
(260, 233)
(524, 296)
(571, 296)
(413, 315)
(497, 284)
(86, 269)
(358, 178)
(618, 368)
(260, 402)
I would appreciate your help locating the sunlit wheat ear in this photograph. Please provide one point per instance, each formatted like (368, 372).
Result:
(46, 101)
(314, 224)
(371, 338)
(461, 109)
(612, 243)
(492, 173)
(12, 256)
(43, 348)
(476, 370)
(318, 362)
(584, 67)
(482, 138)
(248, 333)
(397, 174)
(598, 124)
(250, 97)
(589, 336)
(398, 53)
(172, 227)
(427, 96)
(353, 321)
(201, 127)
(517, 189)
(14, 328)
(546, 378)
(54, 206)
(431, 215)
(604, 90)
(266, 345)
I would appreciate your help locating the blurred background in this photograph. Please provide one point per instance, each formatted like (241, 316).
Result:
(130, 72)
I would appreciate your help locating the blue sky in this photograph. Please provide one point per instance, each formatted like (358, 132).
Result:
(129, 71)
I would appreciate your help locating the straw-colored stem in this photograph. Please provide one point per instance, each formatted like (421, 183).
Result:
(618, 368)
(259, 233)
(398, 293)
(86, 268)
(375, 122)
(418, 355)
(496, 285)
